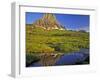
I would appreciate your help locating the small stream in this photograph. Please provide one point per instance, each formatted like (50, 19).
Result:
(75, 58)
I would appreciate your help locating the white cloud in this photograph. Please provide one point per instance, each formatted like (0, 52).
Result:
(86, 28)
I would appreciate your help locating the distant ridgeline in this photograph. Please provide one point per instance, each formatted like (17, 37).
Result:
(48, 22)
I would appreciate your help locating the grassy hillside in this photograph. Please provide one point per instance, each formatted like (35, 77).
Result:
(39, 40)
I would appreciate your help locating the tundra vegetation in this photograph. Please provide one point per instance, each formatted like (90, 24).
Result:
(39, 40)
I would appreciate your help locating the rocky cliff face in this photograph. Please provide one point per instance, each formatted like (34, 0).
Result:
(48, 21)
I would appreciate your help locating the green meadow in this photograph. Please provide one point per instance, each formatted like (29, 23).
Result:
(39, 40)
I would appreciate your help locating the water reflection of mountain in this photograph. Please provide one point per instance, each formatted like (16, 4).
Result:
(81, 57)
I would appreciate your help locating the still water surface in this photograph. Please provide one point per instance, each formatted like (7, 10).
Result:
(81, 57)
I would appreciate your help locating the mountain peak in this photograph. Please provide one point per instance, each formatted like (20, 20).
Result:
(49, 16)
(48, 21)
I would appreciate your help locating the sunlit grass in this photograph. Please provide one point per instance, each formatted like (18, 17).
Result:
(39, 40)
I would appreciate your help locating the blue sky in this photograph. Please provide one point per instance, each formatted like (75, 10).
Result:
(69, 21)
